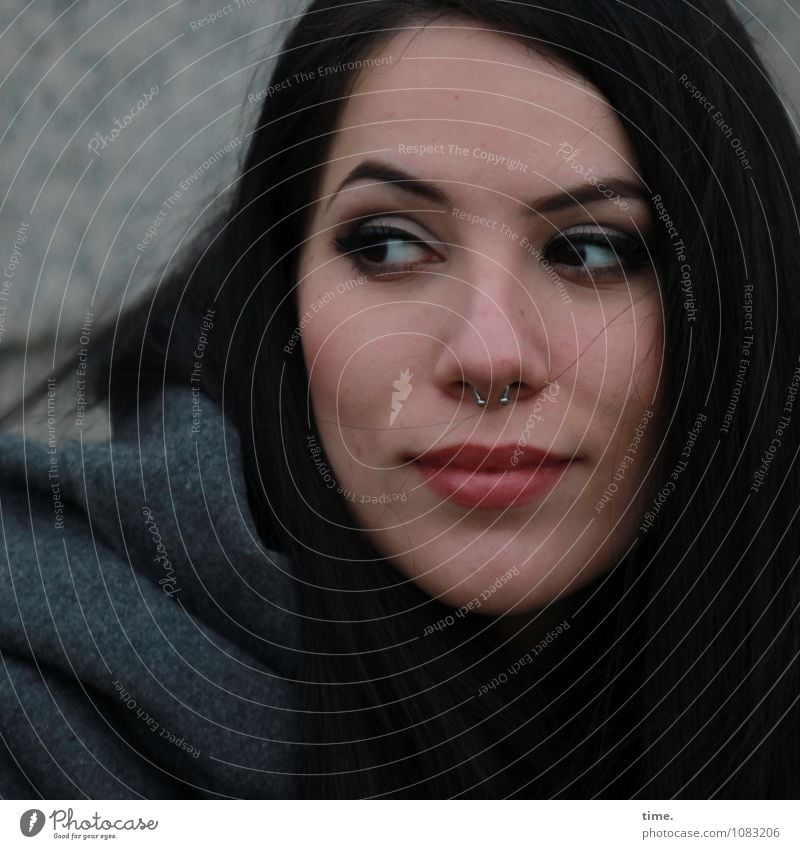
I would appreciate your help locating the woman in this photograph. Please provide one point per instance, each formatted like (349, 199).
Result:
(502, 324)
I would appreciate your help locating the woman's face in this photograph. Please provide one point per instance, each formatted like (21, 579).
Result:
(480, 224)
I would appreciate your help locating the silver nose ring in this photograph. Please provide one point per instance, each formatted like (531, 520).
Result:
(481, 402)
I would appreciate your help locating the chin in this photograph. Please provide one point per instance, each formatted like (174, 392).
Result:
(496, 589)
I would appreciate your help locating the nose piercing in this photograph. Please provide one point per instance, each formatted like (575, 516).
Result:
(481, 402)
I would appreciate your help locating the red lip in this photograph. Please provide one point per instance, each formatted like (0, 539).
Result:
(496, 458)
(490, 477)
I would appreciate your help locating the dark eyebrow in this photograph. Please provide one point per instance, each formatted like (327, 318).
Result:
(613, 188)
(371, 169)
(618, 188)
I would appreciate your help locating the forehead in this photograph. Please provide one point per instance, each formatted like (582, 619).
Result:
(457, 82)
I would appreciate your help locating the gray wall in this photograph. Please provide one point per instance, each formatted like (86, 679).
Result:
(84, 195)
(84, 192)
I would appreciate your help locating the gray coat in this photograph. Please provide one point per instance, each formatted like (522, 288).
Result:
(147, 637)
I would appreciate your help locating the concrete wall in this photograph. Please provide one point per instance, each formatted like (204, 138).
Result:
(83, 191)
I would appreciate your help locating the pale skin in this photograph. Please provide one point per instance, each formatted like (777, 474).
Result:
(469, 302)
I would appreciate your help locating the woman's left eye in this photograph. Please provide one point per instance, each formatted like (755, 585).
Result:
(590, 251)
(378, 248)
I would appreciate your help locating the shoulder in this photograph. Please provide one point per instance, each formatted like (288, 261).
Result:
(134, 567)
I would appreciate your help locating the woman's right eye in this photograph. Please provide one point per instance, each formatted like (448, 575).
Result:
(381, 249)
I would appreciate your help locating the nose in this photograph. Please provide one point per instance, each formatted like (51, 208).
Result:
(494, 344)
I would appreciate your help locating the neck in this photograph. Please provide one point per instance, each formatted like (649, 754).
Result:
(525, 631)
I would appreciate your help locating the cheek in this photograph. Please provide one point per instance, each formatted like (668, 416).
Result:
(621, 368)
(353, 351)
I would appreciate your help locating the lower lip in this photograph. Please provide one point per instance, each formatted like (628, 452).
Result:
(491, 490)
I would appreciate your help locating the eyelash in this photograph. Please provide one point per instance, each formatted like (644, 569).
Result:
(362, 237)
(630, 252)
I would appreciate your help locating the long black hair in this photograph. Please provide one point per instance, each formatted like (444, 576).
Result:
(678, 675)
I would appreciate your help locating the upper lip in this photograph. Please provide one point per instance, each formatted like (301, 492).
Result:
(489, 458)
